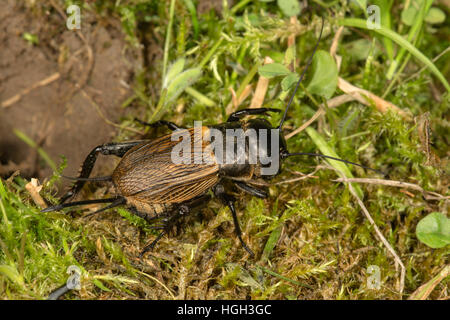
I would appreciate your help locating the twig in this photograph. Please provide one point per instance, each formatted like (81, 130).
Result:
(306, 176)
(392, 183)
(332, 103)
(235, 100)
(41, 83)
(244, 85)
(168, 34)
(363, 96)
(334, 46)
(425, 290)
(34, 188)
(97, 108)
(382, 238)
(159, 282)
(368, 98)
(261, 88)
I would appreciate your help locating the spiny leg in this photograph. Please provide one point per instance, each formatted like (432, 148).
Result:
(117, 149)
(251, 190)
(150, 246)
(235, 116)
(170, 125)
(171, 217)
(167, 224)
(229, 200)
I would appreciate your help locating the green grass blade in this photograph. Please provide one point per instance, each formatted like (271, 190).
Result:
(328, 151)
(413, 32)
(359, 23)
(168, 34)
(22, 136)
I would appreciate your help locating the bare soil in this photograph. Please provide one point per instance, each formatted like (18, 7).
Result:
(60, 116)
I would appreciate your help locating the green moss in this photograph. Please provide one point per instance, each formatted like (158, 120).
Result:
(310, 237)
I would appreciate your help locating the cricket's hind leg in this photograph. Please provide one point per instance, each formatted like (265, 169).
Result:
(116, 149)
(169, 217)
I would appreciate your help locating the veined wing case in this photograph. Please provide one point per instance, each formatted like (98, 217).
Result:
(148, 173)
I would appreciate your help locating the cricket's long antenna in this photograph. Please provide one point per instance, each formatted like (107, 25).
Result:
(301, 77)
(328, 157)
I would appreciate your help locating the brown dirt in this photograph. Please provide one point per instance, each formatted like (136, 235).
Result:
(58, 116)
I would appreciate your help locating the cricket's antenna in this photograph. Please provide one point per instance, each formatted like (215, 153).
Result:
(285, 155)
(301, 77)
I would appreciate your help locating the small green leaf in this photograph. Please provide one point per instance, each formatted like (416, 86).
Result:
(360, 23)
(435, 16)
(273, 70)
(408, 15)
(181, 82)
(324, 75)
(174, 70)
(213, 66)
(289, 7)
(99, 284)
(289, 81)
(434, 230)
(31, 38)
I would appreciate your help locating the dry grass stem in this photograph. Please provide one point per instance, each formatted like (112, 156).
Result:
(41, 83)
(33, 187)
(261, 88)
(382, 238)
(332, 103)
(393, 183)
(423, 292)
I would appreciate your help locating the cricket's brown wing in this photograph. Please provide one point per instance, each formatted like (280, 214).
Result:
(148, 173)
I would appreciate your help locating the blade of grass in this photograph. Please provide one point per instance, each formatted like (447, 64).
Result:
(204, 100)
(385, 18)
(22, 136)
(413, 32)
(272, 273)
(193, 12)
(359, 23)
(328, 151)
(210, 53)
(271, 242)
(239, 5)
